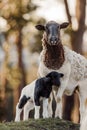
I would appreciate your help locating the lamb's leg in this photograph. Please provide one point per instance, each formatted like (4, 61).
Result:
(18, 113)
(37, 107)
(45, 108)
(27, 108)
(37, 112)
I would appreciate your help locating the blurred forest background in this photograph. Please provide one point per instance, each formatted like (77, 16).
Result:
(20, 45)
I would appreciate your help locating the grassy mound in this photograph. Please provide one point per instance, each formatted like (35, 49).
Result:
(41, 124)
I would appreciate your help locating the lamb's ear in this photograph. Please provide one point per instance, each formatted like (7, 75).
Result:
(40, 27)
(61, 75)
(64, 25)
(48, 75)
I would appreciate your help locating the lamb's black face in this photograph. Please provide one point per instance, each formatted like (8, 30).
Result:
(55, 77)
(52, 30)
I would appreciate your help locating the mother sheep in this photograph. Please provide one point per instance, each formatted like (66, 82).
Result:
(55, 56)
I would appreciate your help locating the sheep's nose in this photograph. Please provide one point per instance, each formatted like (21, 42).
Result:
(53, 40)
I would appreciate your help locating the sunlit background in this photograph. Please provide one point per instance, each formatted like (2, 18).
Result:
(20, 42)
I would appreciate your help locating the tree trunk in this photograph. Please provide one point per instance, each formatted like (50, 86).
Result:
(77, 36)
(20, 62)
(17, 92)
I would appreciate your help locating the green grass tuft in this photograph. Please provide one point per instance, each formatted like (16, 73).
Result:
(41, 124)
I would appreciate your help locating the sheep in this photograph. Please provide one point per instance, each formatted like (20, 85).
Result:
(34, 92)
(59, 58)
(84, 122)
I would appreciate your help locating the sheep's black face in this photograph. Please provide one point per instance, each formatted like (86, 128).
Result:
(52, 30)
(55, 77)
(53, 33)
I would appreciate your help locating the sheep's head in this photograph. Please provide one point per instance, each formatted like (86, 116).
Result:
(52, 31)
(55, 77)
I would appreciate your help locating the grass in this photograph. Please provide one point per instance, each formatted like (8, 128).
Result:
(41, 124)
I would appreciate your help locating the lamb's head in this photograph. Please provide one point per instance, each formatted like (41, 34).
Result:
(52, 31)
(55, 77)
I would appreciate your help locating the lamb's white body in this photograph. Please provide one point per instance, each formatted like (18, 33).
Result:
(74, 69)
(28, 91)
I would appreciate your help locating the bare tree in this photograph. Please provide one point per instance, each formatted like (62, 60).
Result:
(77, 35)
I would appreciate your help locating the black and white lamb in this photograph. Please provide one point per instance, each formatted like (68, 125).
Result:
(34, 92)
(55, 56)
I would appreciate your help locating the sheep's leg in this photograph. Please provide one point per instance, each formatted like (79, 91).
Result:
(18, 113)
(83, 99)
(45, 108)
(50, 111)
(27, 108)
(83, 125)
(82, 107)
(64, 89)
(59, 95)
(58, 112)
(83, 113)
(64, 83)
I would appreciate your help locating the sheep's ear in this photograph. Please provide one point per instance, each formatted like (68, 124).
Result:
(40, 27)
(64, 25)
(61, 75)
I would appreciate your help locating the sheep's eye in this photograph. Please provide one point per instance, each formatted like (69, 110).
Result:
(58, 27)
(47, 30)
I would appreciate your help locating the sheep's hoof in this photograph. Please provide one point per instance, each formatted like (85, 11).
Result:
(58, 99)
(68, 92)
(50, 115)
(36, 118)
